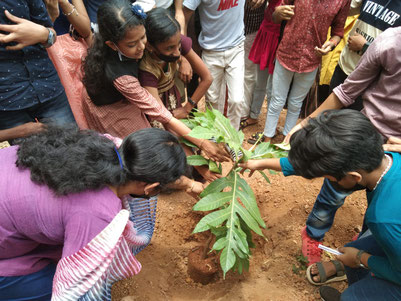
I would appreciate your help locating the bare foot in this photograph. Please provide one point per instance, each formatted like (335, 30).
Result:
(328, 267)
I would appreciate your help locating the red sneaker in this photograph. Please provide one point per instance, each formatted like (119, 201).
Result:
(310, 248)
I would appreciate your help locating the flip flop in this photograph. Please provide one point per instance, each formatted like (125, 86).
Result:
(244, 123)
(258, 137)
(339, 276)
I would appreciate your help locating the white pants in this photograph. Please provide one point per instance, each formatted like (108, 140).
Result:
(226, 67)
(249, 75)
(282, 78)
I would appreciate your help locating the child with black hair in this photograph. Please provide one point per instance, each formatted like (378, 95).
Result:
(158, 67)
(117, 103)
(344, 147)
(66, 201)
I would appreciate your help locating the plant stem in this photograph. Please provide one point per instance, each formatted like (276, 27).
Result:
(207, 245)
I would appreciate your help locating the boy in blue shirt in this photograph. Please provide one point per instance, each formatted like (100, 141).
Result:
(344, 147)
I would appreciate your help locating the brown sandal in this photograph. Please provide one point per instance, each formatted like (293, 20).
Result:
(244, 123)
(338, 276)
(258, 137)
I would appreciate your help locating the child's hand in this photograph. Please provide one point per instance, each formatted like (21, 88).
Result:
(207, 174)
(252, 165)
(284, 12)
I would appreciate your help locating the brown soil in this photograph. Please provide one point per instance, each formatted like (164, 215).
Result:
(284, 205)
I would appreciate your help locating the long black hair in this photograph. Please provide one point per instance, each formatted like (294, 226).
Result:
(334, 143)
(69, 160)
(114, 18)
(160, 26)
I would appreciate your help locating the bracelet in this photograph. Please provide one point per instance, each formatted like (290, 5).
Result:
(71, 12)
(191, 101)
(334, 42)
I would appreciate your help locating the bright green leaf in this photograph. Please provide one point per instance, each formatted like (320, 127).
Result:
(227, 260)
(264, 176)
(216, 186)
(197, 160)
(248, 219)
(213, 219)
(213, 201)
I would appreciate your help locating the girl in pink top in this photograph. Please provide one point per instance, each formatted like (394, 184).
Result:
(59, 189)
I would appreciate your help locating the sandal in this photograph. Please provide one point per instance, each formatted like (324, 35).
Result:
(339, 276)
(244, 123)
(258, 137)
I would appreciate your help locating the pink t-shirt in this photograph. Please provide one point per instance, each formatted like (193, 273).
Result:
(38, 227)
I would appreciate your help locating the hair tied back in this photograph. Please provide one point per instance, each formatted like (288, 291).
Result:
(138, 11)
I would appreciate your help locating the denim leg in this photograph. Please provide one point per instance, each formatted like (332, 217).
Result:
(301, 85)
(259, 93)
(56, 111)
(372, 289)
(368, 244)
(35, 287)
(364, 286)
(322, 215)
(281, 84)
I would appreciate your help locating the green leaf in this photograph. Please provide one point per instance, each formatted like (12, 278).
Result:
(264, 176)
(213, 219)
(248, 219)
(240, 238)
(252, 207)
(283, 146)
(227, 260)
(220, 244)
(202, 133)
(218, 231)
(216, 186)
(197, 160)
(213, 201)
(213, 167)
(187, 143)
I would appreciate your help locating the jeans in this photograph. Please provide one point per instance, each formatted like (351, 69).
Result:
(264, 83)
(362, 285)
(34, 287)
(56, 111)
(330, 198)
(226, 67)
(282, 79)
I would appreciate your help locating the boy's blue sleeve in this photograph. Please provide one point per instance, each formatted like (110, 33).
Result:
(286, 167)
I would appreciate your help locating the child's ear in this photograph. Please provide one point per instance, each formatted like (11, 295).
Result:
(355, 175)
(111, 45)
(149, 187)
(149, 47)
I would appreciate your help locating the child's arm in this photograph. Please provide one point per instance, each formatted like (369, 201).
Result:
(205, 77)
(261, 164)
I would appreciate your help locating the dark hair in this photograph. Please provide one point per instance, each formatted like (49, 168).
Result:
(69, 160)
(114, 18)
(334, 143)
(160, 26)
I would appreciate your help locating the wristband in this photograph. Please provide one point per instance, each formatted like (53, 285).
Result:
(365, 47)
(191, 101)
(358, 258)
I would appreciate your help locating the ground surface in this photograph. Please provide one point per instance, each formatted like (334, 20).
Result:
(284, 205)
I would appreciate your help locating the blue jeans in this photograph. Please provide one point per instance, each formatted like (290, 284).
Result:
(56, 111)
(32, 287)
(282, 79)
(362, 285)
(321, 218)
(264, 83)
